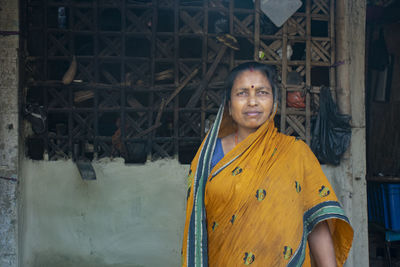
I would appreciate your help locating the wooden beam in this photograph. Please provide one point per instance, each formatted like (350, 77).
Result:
(182, 85)
(193, 100)
(308, 71)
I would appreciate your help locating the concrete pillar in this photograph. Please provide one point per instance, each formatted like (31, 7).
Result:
(9, 40)
(351, 174)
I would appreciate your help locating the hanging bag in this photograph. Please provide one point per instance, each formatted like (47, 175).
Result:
(332, 131)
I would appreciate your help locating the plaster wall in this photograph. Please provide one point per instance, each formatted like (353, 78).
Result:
(9, 40)
(132, 215)
(351, 174)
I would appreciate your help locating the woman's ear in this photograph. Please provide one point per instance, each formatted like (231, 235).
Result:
(229, 108)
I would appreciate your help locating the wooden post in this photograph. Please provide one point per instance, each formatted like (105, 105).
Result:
(203, 103)
(231, 20)
(284, 76)
(176, 77)
(152, 72)
(342, 71)
(331, 30)
(257, 29)
(308, 71)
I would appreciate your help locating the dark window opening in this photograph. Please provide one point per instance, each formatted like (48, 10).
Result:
(319, 28)
(126, 78)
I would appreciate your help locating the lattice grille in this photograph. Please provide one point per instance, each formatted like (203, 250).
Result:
(149, 74)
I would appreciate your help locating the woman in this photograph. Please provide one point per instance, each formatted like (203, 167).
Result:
(258, 197)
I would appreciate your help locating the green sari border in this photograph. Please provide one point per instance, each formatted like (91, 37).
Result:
(323, 211)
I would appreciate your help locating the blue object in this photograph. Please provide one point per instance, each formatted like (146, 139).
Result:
(62, 18)
(384, 205)
(375, 203)
(384, 209)
(391, 236)
(218, 153)
(391, 204)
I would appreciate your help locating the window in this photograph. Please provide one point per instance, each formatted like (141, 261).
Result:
(146, 77)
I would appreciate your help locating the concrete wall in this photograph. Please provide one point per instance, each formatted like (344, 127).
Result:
(8, 131)
(351, 174)
(130, 216)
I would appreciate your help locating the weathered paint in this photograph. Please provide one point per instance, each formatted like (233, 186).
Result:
(8, 223)
(132, 215)
(8, 133)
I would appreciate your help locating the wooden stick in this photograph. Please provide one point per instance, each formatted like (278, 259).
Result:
(164, 103)
(183, 84)
(148, 130)
(160, 111)
(193, 100)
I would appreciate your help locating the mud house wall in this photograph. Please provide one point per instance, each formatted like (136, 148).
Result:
(130, 216)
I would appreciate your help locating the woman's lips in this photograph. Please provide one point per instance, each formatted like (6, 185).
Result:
(252, 113)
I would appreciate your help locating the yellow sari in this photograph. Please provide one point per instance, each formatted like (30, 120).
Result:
(259, 203)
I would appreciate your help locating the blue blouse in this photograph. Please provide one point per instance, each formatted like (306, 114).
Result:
(218, 153)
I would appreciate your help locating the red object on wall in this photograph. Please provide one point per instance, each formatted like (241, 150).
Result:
(295, 100)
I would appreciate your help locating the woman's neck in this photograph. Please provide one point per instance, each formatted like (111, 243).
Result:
(229, 142)
(242, 133)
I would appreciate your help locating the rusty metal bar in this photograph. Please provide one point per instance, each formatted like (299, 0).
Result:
(231, 21)
(257, 12)
(123, 74)
(152, 71)
(176, 77)
(308, 71)
(96, 74)
(332, 70)
(204, 61)
(284, 77)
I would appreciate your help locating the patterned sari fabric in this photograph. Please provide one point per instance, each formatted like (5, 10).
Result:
(259, 203)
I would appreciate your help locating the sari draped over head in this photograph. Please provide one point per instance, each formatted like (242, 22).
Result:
(259, 203)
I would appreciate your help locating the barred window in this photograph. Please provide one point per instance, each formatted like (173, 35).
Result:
(143, 79)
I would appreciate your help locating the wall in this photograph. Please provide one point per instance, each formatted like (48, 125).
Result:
(351, 174)
(132, 215)
(8, 131)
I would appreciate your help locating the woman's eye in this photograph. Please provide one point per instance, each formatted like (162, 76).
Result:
(263, 92)
(242, 93)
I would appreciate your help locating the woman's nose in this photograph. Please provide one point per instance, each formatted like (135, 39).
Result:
(252, 100)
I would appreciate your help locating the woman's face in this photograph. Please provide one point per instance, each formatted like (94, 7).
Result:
(251, 100)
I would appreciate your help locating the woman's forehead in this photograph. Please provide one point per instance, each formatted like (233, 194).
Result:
(251, 77)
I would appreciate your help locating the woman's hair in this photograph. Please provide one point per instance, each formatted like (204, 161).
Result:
(268, 71)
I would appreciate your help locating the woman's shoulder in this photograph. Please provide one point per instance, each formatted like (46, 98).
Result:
(296, 144)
